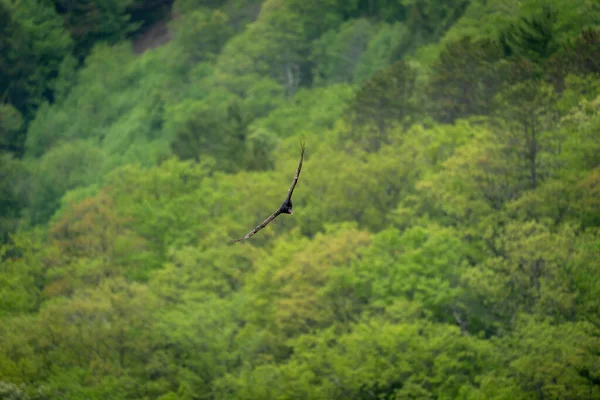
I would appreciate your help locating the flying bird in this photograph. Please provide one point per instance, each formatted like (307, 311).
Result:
(285, 208)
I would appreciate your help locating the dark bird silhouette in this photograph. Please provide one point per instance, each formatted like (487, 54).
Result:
(285, 208)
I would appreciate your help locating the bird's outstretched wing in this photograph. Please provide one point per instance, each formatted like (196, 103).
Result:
(259, 227)
(279, 210)
(295, 181)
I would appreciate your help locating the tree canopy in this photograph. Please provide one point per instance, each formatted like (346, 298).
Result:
(445, 241)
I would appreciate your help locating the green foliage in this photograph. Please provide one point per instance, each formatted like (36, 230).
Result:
(530, 111)
(570, 19)
(11, 132)
(201, 34)
(428, 20)
(14, 177)
(484, 19)
(311, 111)
(309, 290)
(160, 202)
(490, 18)
(579, 57)
(534, 37)
(65, 167)
(580, 133)
(544, 356)
(444, 242)
(531, 272)
(271, 46)
(22, 273)
(412, 267)
(465, 79)
(97, 20)
(386, 46)
(385, 100)
(105, 71)
(33, 42)
(198, 131)
(336, 54)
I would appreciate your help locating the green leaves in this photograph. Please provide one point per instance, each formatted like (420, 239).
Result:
(93, 21)
(535, 36)
(201, 34)
(198, 132)
(385, 100)
(444, 240)
(70, 165)
(338, 53)
(420, 266)
(32, 45)
(387, 45)
(549, 358)
(14, 176)
(465, 79)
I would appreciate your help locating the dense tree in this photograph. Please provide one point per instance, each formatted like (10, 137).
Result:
(95, 21)
(201, 34)
(529, 109)
(534, 37)
(63, 168)
(204, 133)
(579, 57)
(444, 242)
(429, 19)
(466, 77)
(23, 264)
(33, 42)
(11, 130)
(14, 177)
(580, 147)
(385, 100)
(387, 45)
(336, 54)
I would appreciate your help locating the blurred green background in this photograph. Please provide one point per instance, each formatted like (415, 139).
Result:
(445, 241)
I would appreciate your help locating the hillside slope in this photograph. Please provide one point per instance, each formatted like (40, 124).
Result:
(445, 239)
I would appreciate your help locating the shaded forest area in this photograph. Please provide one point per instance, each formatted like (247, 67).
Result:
(445, 241)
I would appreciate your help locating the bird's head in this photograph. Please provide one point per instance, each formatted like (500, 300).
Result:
(286, 207)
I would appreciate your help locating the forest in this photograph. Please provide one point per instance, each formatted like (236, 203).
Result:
(445, 240)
